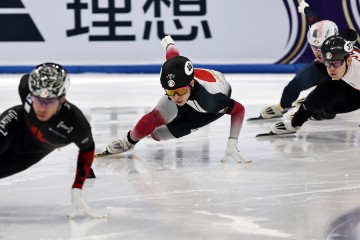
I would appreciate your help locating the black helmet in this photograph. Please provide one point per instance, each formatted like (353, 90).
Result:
(336, 48)
(176, 72)
(49, 80)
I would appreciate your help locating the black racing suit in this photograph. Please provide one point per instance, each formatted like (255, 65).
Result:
(209, 100)
(24, 140)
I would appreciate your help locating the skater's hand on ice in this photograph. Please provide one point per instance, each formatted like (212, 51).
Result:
(78, 204)
(166, 41)
(232, 151)
(302, 6)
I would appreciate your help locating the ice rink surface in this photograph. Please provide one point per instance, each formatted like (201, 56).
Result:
(299, 187)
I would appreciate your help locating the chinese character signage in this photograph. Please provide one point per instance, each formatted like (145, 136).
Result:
(128, 32)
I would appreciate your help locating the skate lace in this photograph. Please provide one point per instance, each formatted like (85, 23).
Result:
(280, 126)
(269, 110)
(118, 144)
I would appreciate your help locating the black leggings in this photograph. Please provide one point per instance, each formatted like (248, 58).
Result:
(189, 119)
(331, 97)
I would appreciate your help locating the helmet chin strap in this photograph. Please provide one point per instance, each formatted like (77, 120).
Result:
(192, 86)
(60, 105)
(346, 68)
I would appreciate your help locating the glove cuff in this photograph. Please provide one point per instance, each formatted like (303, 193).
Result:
(233, 140)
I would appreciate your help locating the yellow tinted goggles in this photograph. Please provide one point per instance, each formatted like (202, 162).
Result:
(179, 91)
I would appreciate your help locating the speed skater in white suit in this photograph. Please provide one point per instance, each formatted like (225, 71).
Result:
(193, 98)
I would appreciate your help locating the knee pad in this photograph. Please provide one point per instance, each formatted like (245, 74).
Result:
(166, 109)
(162, 133)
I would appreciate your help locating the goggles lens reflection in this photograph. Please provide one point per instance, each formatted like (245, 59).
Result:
(45, 101)
(179, 91)
(335, 64)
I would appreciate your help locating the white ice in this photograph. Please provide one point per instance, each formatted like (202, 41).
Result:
(301, 187)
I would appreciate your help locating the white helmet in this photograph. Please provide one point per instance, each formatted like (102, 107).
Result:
(320, 31)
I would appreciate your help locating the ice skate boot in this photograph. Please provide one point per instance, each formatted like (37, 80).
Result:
(272, 111)
(119, 145)
(283, 127)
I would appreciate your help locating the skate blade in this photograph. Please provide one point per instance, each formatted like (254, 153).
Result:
(102, 154)
(260, 118)
(271, 134)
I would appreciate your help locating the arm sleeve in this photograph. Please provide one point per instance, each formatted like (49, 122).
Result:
(86, 145)
(85, 159)
(237, 119)
(311, 16)
(171, 51)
